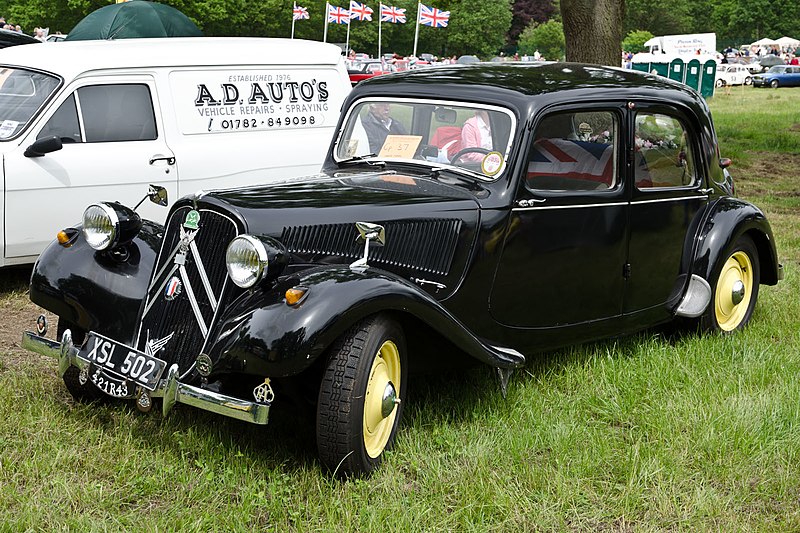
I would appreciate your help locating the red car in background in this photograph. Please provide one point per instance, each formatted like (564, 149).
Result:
(367, 69)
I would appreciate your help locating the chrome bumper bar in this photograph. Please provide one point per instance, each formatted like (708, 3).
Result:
(169, 388)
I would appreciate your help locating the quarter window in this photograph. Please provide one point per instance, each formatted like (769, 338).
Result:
(574, 151)
(662, 154)
(64, 123)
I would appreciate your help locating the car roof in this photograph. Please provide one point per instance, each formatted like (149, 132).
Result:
(10, 38)
(69, 59)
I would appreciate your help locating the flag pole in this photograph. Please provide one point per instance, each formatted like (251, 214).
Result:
(416, 32)
(380, 10)
(294, 6)
(325, 32)
(347, 40)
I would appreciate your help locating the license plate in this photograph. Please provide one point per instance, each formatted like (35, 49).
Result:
(116, 387)
(112, 356)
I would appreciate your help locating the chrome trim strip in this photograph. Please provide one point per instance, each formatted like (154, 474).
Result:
(169, 388)
(193, 302)
(163, 268)
(659, 200)
(203, 276)
(542, 207)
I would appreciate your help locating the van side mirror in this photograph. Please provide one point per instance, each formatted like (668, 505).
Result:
(42, 146)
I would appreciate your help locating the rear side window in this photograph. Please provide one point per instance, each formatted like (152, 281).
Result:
(574, 151)
(117, 113)
(663, 157)
(109, 113)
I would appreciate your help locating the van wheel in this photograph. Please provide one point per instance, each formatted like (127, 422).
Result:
(735, 289)
(359, 406)
(81, 392)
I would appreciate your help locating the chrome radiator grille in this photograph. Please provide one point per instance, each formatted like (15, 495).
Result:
(420, 245)
(189, 283)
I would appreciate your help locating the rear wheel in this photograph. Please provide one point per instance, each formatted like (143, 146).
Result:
(359, 405)
(774, 84)
(82, 392)
(748, 80)
(735, 289)
(719, 83)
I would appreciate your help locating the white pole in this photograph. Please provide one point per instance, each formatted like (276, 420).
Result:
(416, 32)
(347, 40)
(294, 6)
(380, 9)
(325, 32)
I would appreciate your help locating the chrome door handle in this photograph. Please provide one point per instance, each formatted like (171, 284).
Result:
(169, 159)
(530, 202)
(705, 191)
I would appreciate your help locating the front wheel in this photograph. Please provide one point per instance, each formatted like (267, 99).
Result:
(735, 289)
(359, 404)
(78, 386)
(774, 84)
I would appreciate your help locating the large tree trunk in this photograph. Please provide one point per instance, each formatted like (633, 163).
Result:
(593, 30)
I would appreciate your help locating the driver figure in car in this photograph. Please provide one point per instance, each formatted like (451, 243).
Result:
(379, 124)
(476, 133)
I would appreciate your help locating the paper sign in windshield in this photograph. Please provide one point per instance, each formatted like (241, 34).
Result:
(7, 128)
(400, 146)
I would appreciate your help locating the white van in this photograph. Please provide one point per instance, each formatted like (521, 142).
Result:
(100, 120)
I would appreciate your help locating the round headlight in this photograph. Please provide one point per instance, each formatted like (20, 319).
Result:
(247, 260)
(100, 226)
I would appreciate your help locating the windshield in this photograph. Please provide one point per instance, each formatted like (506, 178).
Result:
(777, 69)
(22, 93)
(460, 136)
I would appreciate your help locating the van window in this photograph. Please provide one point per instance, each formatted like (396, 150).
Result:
(22, 94)
(64, 123)
(121, 112)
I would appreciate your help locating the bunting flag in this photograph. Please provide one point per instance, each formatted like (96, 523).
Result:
(299, 13)
(395, 15)
(430, 16)
(338, 15)
(360, 11)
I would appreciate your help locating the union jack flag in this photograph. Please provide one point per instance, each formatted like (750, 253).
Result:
(395, 15)
(568, 159)
(360, 11)
(299, 13)
(430, 16)
(338, 15)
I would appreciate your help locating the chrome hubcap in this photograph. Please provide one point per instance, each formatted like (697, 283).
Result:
(737, 292)
(389, 400)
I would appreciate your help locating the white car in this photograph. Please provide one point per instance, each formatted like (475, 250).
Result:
(733, 75)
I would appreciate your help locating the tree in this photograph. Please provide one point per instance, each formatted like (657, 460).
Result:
(634, 41)
(593, 30)
(547, 39)
(660, 18)
(477, 27)
(527, 11)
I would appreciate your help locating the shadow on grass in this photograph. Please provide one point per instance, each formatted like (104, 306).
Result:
(15, 279)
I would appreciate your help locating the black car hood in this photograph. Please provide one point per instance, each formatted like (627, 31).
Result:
(430, 225)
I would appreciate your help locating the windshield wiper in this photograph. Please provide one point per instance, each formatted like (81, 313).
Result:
(363, 159)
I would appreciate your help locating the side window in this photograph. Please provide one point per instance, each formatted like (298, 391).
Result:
(663, 157)
(117, 113)
(574, 151)
(64, 123)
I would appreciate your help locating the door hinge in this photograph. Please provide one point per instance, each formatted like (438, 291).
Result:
(626, 271)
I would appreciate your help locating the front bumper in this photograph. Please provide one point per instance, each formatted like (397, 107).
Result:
(170, 389)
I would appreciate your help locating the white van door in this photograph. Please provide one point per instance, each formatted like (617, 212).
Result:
(113, 147)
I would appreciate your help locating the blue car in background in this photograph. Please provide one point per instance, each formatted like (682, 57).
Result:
(778, 76)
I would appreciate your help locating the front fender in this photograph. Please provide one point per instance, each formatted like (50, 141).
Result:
(260, 334)
(730, 219)
(95, 290)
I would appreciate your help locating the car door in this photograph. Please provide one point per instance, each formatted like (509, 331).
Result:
(666, 203)
(113, 148)
(562, 263)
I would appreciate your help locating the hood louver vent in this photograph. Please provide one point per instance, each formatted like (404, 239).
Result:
(421, 245)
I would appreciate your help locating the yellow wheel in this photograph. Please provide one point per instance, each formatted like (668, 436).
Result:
(735, 289)
(360, 395)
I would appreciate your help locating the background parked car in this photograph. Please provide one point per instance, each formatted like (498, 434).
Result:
(733, 75)
(778, 76)
(14, 38)
(363, 70)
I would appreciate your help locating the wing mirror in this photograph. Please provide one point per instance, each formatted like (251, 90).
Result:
(45, 145)
(156, 194)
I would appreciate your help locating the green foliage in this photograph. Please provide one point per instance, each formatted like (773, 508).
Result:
(634, 41)
(478, 27)
(547, 38)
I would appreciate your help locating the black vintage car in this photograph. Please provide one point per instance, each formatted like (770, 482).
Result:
(466, 213)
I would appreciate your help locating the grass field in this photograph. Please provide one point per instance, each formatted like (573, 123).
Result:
(652, 432)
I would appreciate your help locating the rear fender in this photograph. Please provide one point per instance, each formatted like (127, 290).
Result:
(97, 291)
(730, 219)
(260, 334)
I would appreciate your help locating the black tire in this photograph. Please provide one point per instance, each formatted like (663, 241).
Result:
(86, 392)
(719, 83)
(740, 263)
(774, 84)
(748, 80)
(351, 434)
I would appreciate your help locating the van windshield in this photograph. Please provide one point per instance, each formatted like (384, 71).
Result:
(22, 93)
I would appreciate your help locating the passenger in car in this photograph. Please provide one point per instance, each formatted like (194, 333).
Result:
(476, 133)
(379, 124)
